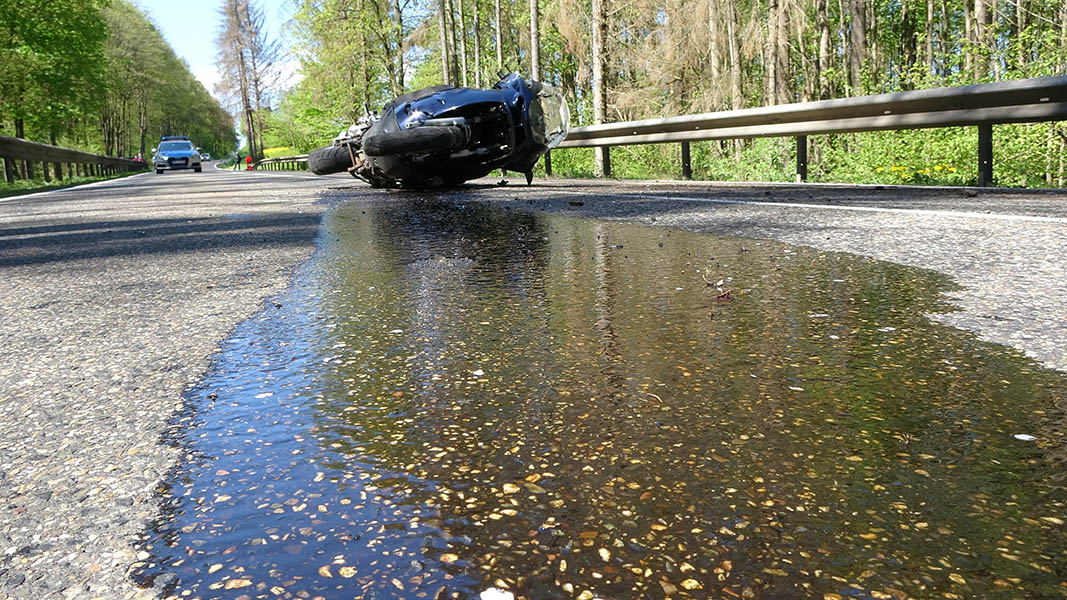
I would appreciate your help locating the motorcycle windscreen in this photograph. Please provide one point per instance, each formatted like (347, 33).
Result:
(549, 116)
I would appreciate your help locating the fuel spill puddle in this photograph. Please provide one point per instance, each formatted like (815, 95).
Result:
(457, 402)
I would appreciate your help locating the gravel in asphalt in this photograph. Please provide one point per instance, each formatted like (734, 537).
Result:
(115, 297)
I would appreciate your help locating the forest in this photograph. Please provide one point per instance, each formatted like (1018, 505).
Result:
(632, 59)
(97, 75)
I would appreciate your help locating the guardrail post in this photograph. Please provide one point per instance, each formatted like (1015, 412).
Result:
(687, 166)
(602, 159)
(985, 155)
(9, 172)
(802, 158)
(548, 163)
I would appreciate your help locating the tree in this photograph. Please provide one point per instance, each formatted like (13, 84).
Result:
(246, 61)
(600, 103)
(535, 43)
(51, 64)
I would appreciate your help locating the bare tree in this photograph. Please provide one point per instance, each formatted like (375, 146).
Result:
(246, 59)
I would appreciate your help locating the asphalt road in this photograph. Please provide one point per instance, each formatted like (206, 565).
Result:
(115, 296)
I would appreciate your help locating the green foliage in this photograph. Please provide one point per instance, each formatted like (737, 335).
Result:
(300, 123)
(51, 62)
(97, 75)
(666, 59)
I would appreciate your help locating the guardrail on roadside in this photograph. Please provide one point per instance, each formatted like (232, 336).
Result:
(20, 158)
(283, 163)
(983, 105)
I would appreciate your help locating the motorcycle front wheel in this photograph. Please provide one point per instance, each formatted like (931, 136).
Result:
(331, 159)
(418, 139)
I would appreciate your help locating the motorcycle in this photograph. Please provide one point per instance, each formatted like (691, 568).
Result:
(443, 135)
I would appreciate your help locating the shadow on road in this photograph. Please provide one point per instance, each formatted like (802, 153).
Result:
(74, 241)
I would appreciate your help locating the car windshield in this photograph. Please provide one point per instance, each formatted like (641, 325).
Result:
(175, 146)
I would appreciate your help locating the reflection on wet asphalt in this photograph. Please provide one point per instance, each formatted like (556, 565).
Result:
(454, 399)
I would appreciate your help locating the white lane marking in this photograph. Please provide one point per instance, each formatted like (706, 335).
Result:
(906, 211)
(80, 186)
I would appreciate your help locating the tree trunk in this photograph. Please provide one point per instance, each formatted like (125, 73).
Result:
(770, 55)
(736, 99)
(535, 43)
(823, 23)
(599, 98)
(929, 38)
(477, 47)
(462, 43)
(499, 38)
(453, 66)
(781, 56)
(968, 37)
(20, 132)
(446, 60)
(142, 121)
(857, 44)
(714, 55)
(981, 26)
(398, 22)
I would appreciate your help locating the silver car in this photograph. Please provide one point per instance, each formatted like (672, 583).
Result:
(176, 154)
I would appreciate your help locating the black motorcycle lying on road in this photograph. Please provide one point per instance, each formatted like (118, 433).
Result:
(444, 135)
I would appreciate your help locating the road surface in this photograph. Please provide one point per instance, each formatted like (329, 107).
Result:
(116, 295)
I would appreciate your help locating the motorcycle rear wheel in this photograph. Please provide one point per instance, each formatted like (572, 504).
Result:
(331, 159)
(418, 139)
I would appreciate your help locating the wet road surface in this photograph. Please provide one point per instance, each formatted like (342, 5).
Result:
(453, 399)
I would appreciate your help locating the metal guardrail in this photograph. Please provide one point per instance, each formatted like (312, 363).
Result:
(283, 163)
(982, 105)
(20, 157)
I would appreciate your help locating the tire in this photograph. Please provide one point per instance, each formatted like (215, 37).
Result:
(419, 139)
(331, 159)
(198, 169)
(159, 171)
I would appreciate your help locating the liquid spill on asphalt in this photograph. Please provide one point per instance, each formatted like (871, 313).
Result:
(455, 399)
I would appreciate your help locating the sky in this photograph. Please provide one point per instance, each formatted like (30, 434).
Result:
(190, 26)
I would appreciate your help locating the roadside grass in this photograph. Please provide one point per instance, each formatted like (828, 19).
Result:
(32, 186)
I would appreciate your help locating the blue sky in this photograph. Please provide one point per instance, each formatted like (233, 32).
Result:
(190, 26)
